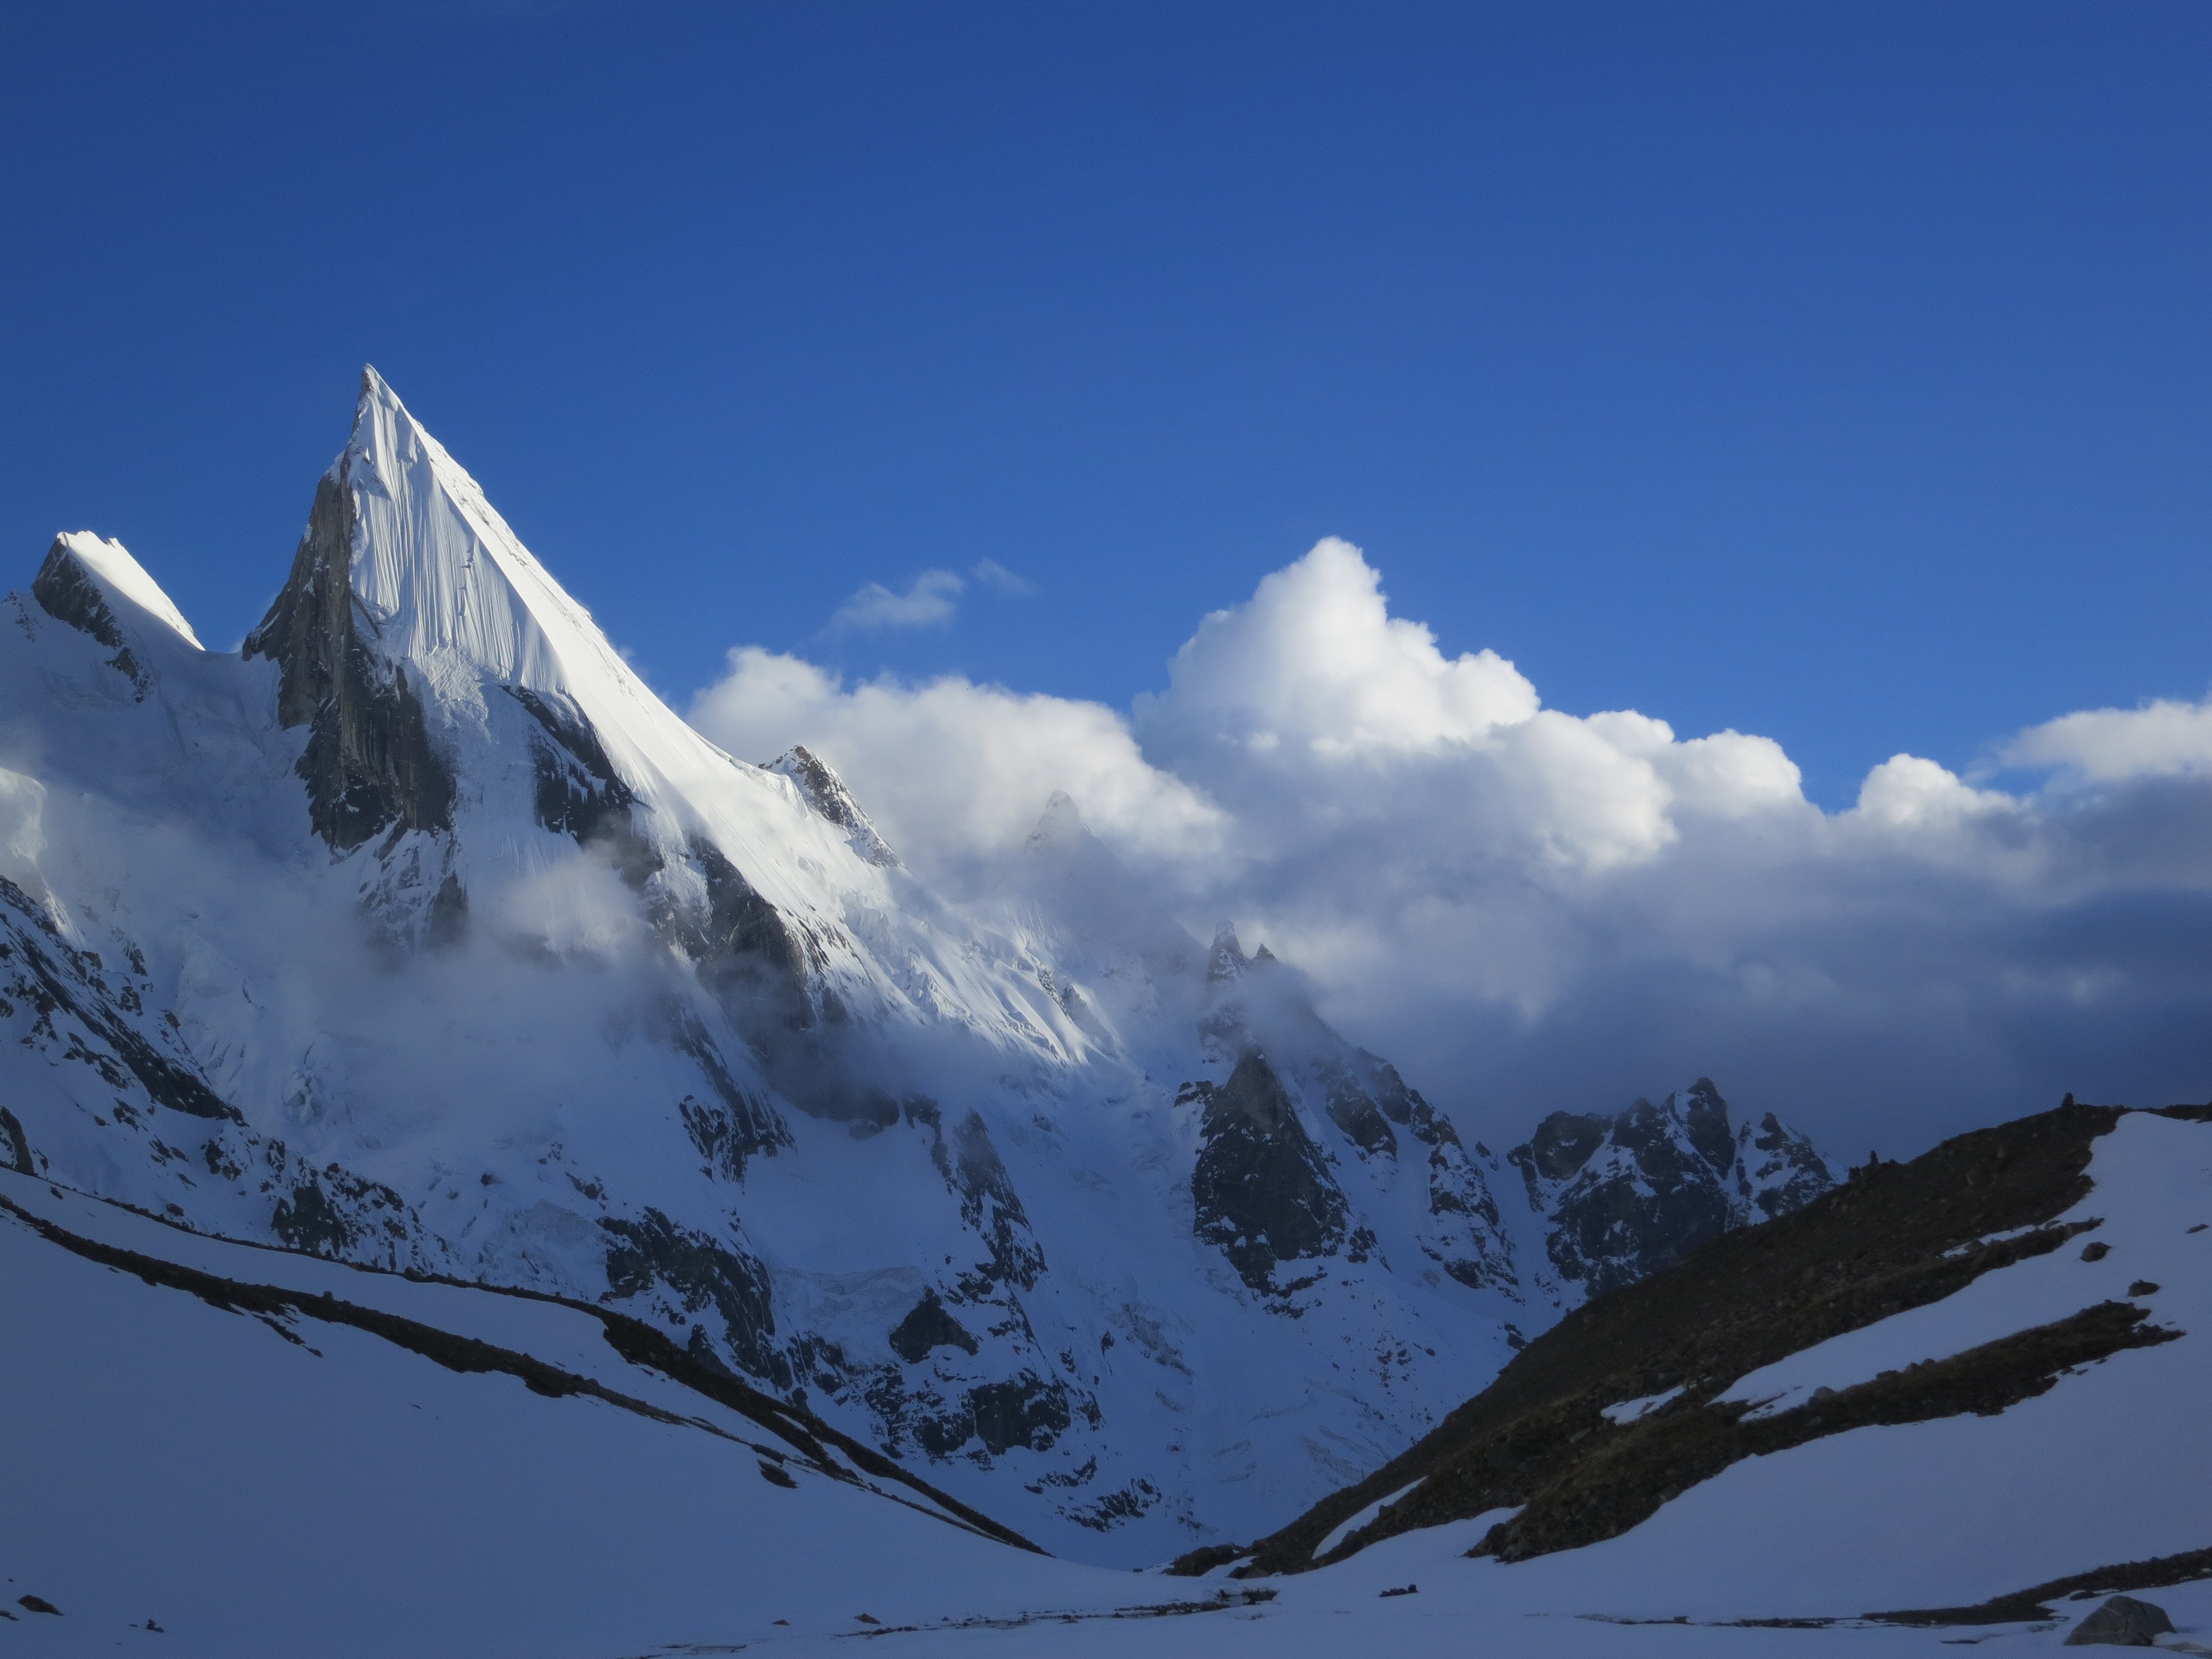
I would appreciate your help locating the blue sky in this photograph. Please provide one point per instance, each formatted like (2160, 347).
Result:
(1839, 373)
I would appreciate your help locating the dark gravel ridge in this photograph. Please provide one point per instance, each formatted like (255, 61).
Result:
(1896, 1235)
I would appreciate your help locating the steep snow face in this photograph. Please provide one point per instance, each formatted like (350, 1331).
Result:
(420, 933)
(442, 579)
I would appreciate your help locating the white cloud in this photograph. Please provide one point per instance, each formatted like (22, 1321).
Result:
(1907, 792)
(929, 601)
(1530, 910)
(958, 774)
(2104, 746)
(991, 574)
(1315, 661)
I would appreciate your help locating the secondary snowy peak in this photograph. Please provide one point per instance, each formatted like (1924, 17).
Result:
(97, 588)
(81, 561)
(826, 793)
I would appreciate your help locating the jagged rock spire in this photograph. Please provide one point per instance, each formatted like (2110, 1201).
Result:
(1226, 960)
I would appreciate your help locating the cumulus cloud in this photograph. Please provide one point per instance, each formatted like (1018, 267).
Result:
(1531, 909)
(956, 774)
(1316, 661)
(1907, 792)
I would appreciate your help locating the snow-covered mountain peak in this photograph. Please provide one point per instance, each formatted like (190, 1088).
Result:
(438, 573)
(1060, 821)
(423, 646)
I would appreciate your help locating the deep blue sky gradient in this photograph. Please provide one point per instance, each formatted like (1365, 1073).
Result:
(1842, 372)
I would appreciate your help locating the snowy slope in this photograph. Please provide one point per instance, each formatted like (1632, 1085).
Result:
(296, 1485)
(459, 1513)
(420, 933)
(2041, 1419)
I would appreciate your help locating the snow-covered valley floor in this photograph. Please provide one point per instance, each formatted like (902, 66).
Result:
(315, 1489)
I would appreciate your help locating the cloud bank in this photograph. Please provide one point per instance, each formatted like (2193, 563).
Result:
(1531, 910)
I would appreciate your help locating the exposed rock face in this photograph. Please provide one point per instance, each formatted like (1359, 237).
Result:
(930, 1326)
(68, 595)
(1466, 1236)
(743, 950)
(1258, 1006)
(1780, 1167)
(826, 793)
(738, 1124)
(746, 953)
(369, 763)
(331, 1213)
(1630, 1194)
(14, 1145)
(988, 1204)
(1263, 1191)
(580, 795)
(80, 1010)
(683, 1272)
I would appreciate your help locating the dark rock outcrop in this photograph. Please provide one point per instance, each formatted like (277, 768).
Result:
(369, 763)
(76, 1013)
(1355, 1112)
(692, 1272)
(1263, 1191)
(579, 793)
(1899, 1236)
(727, 1135)
(1630, 1194)
(2122, 1622)
(984, 1421)
(333, 1212)
(14, 1145)
(745, 950)
(1468, 1238)
(736, 1125)
(929, 1326)
(988, 1203)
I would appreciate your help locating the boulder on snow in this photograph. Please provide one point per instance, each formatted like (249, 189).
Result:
(2122, 1622)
